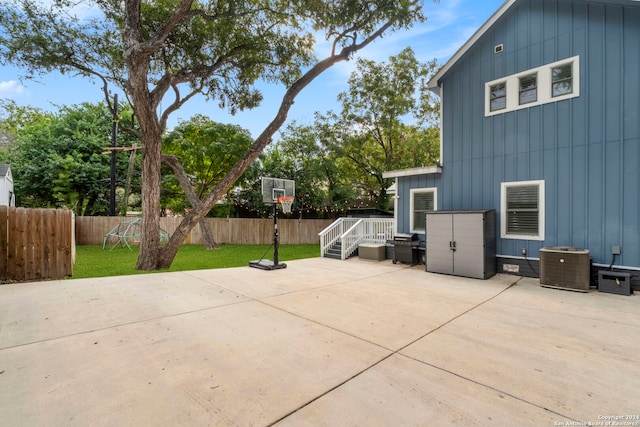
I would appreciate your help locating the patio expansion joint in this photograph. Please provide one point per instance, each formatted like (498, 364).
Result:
(328, 285)
(119, 325)
(487, 386)
(399, 353)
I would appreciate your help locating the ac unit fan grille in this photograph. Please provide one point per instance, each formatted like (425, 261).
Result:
(565, 268)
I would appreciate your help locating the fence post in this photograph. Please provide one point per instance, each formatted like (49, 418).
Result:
(4, 241)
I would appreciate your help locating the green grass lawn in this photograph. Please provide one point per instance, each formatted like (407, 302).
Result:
(93, 261)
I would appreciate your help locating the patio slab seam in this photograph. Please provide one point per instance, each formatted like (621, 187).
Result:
(328, 285)
(489, 387)
(392, 352)
(119, 325)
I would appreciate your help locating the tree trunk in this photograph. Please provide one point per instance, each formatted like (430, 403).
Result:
(173, 162)
(207, 235)
(150, 224)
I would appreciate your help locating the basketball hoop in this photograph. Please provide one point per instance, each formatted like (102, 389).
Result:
(286, 202)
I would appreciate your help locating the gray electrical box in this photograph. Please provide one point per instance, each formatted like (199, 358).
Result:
(614, 282)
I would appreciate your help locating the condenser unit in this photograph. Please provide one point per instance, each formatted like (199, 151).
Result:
(565, 268)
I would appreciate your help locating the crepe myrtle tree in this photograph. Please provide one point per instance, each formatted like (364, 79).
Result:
(165, 52)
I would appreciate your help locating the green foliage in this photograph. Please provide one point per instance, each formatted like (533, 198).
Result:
(206, 150)
(93, 261)
(322, 187)
(387, 122)
(57, 159)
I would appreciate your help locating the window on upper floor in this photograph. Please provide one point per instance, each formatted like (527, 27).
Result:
(528, 88)
(422, 200)
(522, 210)
(498, 94)
(548, 83)
(561, 80)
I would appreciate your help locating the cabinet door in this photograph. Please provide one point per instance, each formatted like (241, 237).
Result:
(439, 233)
(468, 235)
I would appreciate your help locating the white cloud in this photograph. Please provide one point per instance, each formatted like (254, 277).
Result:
(11, 89)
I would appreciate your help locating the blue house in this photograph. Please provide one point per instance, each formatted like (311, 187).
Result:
(540, 120)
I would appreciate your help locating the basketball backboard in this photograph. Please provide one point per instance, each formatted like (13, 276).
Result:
(272, 188)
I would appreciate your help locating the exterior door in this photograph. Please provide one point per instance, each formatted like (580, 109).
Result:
(468, 235)
(439, 236)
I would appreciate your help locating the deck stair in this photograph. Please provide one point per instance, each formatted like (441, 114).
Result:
(335, 251)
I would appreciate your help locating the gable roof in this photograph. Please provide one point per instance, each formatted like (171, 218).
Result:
(434, 82)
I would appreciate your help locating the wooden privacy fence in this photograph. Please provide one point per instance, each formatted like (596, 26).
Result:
(90, 230)
(36, 244)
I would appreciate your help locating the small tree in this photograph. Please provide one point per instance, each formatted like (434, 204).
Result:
(320, 181)
(172, 50)
(200, 152)
(372, 130)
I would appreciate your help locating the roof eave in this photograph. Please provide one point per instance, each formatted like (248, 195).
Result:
(425, 170)
(434, 82)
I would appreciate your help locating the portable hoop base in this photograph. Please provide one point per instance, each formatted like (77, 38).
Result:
(265, 264)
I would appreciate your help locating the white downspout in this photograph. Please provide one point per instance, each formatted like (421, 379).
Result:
(396, 197)
(441, 124)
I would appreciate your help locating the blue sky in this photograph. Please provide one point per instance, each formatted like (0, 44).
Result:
(450, 23)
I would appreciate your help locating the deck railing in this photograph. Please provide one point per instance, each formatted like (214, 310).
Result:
(351, 232)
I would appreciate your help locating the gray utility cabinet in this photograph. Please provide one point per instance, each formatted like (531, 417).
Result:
(462, 243)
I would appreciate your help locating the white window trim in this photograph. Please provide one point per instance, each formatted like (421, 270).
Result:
(503, 210)
(544, 87)
(413, 191)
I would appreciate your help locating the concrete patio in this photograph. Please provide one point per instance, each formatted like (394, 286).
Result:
(323, 342)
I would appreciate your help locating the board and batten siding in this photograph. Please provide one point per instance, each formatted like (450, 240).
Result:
(586, 149)
(403, 192)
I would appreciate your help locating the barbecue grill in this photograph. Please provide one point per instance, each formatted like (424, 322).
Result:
(405, 247)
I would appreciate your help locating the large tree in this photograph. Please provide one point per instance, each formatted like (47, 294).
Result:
(168, 51)
(387, 121)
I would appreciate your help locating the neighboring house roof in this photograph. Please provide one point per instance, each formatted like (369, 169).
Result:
(434, 82)
(391, 189)
(4, 170)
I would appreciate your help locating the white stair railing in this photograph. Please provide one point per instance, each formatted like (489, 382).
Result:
(351, 232)
(330, 235)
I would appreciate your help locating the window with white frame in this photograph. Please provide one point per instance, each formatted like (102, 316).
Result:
(562, 80)
(522, 210)
(548, 83)
(528, 88)
(498, 95)
(422, 200)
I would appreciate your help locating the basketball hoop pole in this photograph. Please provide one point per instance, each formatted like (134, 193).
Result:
(275, 264)
(275, 191)
(276, 240)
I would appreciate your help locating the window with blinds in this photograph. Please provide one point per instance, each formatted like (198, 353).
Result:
(422, 200)
(523, 210)
(547, 83)
(528, 89)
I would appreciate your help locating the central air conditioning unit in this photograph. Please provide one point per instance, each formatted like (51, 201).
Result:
(566, 268)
